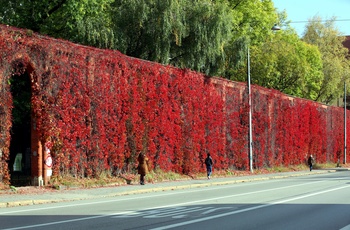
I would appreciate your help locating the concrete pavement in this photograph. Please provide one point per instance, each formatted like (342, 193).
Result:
(38, 195)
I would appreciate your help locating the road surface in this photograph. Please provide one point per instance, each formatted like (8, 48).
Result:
(308, 202)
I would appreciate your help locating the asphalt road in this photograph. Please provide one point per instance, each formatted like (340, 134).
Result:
(306, 202)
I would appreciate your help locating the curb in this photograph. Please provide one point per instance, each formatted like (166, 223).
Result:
(149, 190)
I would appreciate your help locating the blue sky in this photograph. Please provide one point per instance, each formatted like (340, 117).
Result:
(302, 10)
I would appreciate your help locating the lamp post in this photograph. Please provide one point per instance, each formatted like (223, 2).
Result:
(250, 115)
(344, 123)
(274, 28)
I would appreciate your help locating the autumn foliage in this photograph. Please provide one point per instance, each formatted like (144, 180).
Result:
(99, 107)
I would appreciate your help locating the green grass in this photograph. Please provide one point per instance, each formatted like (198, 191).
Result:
(156, 176)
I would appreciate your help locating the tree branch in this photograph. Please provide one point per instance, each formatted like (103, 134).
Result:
(54, 9)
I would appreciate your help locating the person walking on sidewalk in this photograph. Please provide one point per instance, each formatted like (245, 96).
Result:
(209, 164)
(143, 167)
(310, 162)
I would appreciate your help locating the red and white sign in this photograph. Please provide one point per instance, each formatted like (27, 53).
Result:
(48, 161)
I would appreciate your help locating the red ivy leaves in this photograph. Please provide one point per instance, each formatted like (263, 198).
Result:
(99, 108)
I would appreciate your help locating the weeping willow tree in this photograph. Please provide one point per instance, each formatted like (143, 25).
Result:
(183, 33)
(197, 34)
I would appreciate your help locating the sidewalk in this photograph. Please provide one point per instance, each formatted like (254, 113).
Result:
(42, 196)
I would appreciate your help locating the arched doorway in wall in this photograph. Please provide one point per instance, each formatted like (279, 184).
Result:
(20, 145)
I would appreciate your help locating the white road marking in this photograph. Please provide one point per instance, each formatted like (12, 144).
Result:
(31, 209)
(216, 209)
(346, 227)
(164, 212)
(246, 210)
(176, 211)
(171, 212)
(159, 207)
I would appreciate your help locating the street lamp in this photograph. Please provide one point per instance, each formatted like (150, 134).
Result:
(274, 28)
(344, 123)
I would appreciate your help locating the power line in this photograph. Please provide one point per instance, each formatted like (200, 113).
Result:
(338, 20)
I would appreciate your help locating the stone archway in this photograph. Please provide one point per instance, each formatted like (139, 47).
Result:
(26, 155)
(20, 145)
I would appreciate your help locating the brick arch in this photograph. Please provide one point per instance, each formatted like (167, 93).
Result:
(32, 159)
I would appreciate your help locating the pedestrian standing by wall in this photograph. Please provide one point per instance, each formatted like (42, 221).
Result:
(310, 162)
(209, 165)
(143, 167)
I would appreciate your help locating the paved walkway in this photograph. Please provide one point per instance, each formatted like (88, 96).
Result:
(42, 196)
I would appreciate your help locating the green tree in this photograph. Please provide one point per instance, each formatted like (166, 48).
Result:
(252, 22)
(30, 14)
(202, 35)
(289, 65)
(184, 33)
(336, 67)
(87, 22)
(279, 60)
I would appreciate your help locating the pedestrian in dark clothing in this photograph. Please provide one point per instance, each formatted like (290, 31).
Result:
(143, 167)
(209, 165)
(310, 161)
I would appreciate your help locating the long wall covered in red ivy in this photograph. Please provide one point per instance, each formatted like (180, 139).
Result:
(98, 108)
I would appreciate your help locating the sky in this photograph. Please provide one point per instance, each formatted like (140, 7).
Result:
(302, 10)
